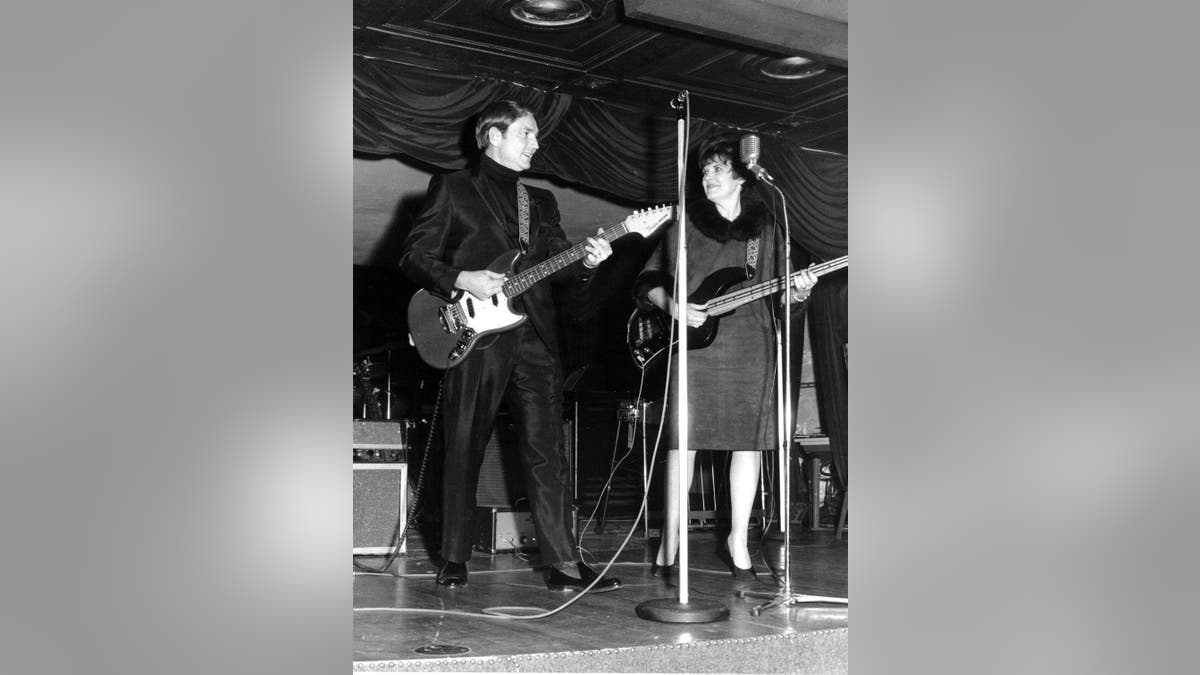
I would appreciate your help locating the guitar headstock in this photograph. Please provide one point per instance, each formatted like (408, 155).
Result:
(647, 221)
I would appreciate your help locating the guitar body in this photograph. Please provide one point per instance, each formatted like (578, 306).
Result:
(444, 333)
(713, 285)
(649, 330)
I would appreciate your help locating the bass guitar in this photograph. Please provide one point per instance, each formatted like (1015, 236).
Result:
(444, 333)
(648, 331)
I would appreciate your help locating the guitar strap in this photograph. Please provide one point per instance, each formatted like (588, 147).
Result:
(751, 257)
(523, 215)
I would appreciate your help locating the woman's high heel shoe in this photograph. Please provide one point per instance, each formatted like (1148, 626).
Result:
(739, 573)
(664, 571)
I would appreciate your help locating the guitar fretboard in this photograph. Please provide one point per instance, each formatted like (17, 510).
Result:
(524, 280)
(643, 222)
(727, 303)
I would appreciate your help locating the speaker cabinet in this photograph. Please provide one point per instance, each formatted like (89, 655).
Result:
(380, 506)
(501, 483)
(501, 477)
(380, 485)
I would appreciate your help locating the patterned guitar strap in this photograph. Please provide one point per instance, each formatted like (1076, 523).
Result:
(751, 257)
(523, 216)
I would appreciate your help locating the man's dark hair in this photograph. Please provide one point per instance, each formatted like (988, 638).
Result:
(498, 114)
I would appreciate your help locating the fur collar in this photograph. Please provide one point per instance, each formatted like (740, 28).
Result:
(712, 224)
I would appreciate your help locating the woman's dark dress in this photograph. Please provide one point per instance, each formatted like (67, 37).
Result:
(731, 383)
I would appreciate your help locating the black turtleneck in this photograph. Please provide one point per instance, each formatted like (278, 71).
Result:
(500, 183)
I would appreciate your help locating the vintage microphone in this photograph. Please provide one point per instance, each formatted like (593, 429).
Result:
(750, 153)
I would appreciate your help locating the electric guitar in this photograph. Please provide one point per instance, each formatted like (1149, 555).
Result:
(444, 333)
(648, 331)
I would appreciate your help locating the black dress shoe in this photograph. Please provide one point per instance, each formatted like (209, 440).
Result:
(557, 581)
(744, 573)
(452, 575)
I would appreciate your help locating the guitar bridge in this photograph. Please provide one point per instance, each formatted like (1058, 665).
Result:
(450, 318)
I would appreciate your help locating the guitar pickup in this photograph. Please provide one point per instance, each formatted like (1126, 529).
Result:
(449, 318)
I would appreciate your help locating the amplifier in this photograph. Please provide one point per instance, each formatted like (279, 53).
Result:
(380, 485)
(381, 440)
(501, 483)
(501, 478)
(503, 529)
(380, 507)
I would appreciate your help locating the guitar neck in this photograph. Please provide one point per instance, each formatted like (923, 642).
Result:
(727, 303)
(524, 280)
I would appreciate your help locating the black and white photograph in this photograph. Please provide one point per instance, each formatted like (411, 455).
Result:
(526, 176)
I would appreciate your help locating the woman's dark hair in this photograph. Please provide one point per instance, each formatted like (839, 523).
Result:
(498, 114)
(725, 148)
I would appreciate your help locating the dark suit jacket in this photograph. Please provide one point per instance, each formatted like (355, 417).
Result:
(458, 230)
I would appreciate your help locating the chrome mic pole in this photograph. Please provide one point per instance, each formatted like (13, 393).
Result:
(668, 609)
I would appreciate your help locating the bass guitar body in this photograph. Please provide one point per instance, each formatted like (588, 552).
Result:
(649, 330)
(444, 333)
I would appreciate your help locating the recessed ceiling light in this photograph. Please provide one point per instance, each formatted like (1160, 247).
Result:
(550, 13)
(790, 68)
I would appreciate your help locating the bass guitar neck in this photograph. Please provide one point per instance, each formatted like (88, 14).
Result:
(648, 331)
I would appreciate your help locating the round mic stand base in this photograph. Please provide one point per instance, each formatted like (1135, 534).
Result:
(670, 610)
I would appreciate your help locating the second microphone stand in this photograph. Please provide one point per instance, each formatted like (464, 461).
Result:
(784, 597)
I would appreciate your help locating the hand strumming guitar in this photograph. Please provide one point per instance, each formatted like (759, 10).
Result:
(482, 284)
(696, 314)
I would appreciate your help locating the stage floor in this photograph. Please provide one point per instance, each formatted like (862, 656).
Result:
(402, 617)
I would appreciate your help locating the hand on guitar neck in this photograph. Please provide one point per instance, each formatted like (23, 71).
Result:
(802, 284)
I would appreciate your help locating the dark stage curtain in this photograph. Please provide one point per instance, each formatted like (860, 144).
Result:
(627, 154)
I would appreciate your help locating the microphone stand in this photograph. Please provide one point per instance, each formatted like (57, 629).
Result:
(783, 387)
(683, 610)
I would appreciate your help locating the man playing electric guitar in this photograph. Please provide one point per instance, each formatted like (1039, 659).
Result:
(469, 219)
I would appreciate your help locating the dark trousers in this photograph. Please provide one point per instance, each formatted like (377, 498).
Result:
(829, 337)
(516, 368)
